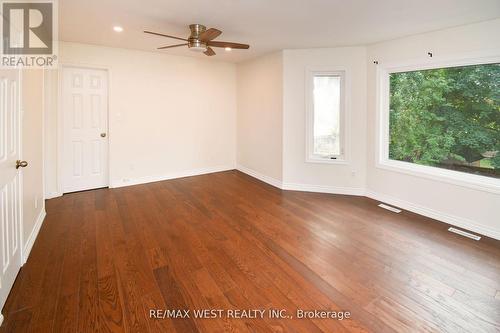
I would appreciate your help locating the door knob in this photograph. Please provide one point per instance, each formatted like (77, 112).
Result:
(103, 135)
(21, 164)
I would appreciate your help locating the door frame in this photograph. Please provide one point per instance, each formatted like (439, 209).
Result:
(21, 174)
(60, 119)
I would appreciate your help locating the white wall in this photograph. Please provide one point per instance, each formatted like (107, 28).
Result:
(260, 109)
(302, 175)
(169, 116)
(32, 152)
(472, 209)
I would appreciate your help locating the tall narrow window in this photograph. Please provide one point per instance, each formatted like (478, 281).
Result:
(326, 116)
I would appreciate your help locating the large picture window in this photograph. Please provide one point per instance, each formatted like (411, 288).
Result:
(446, 118)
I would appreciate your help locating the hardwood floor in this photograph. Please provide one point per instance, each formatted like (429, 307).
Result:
(104, 258)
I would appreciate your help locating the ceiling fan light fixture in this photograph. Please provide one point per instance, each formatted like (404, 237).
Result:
(117, 28)
(227, 49)
(197, 45)
(199, 49)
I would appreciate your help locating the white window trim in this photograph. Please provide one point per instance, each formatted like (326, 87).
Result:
(343, 158)
(463, 179)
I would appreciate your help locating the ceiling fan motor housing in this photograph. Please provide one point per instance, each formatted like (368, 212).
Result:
(194, 43)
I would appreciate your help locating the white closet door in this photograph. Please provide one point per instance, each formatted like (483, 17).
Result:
(85, 139)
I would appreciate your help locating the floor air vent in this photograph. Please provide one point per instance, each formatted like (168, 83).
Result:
(464, 233)
(392, 209)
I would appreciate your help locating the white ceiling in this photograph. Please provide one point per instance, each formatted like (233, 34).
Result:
(267, 25)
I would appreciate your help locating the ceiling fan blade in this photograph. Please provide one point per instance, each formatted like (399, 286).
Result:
(170, 46)
(228, 44)
(209, 52)
(210, 34)
(163, 35)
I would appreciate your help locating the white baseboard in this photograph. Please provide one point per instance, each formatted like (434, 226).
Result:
(266, 179)
(324, 189)
(406, 205)
(52, 195)
(34, 233)
(151, 179)
(301, 187)
(436, 215)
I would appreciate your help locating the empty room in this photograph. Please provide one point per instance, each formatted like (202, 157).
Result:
(249, 166)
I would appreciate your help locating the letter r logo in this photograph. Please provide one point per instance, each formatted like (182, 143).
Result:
(27, 27)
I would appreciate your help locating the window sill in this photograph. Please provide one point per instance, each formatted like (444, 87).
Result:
(325, 160)
(466, 180)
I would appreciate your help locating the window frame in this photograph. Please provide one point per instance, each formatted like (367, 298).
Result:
(310, 156)
(473, 181)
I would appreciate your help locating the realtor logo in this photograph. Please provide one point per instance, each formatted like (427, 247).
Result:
(27, 28)
(28, 33)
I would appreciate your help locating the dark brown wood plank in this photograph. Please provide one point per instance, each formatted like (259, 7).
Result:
(88, 297)
(66, 317)
(105, 258)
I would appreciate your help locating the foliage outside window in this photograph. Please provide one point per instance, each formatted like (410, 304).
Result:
(447, 118)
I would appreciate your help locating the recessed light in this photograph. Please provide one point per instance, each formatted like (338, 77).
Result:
(117, 28)
(228, 49)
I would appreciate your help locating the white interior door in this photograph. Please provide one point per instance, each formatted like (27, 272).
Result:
(10, 181)
(85, 129)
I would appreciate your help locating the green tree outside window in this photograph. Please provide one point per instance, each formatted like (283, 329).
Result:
(448, 118)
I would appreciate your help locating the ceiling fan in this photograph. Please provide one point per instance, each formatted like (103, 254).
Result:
(201, 40)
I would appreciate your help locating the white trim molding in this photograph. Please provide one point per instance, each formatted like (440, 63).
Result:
(1, 319)
(266, 179)
(482, 183)
(472, 181)
(434, 214)
(301, 187)
(324, 189)
(34, 234)
(53, 195)
(115, 183)
(384, 198)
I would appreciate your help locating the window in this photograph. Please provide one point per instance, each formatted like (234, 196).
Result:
(443, 121)
(325, 117)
